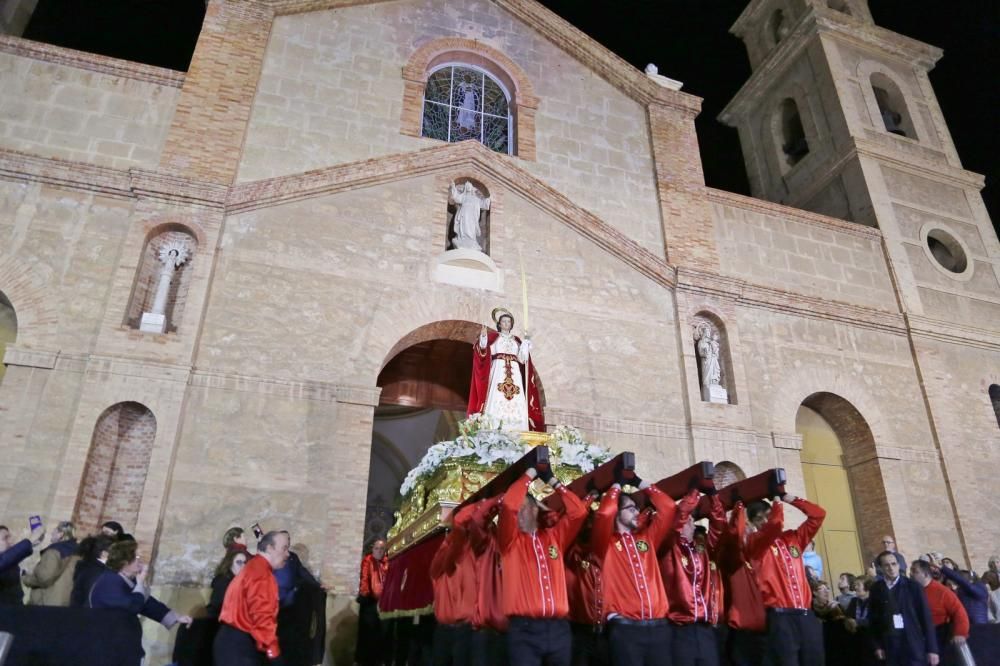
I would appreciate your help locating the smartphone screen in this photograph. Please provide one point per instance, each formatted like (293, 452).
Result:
(257, 532)
(34, 522)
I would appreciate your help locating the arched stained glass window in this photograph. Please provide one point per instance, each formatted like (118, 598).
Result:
(462, 103)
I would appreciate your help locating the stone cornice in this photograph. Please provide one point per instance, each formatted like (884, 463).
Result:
(446, 159)
(560, 32)
(780, 210)
(132, 183)
(285, 388)
(953, 333)
(747, 294)
(868, 35)
(596, 423)
(936, 170)
(90, 61)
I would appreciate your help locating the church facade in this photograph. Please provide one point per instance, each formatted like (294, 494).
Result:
(206, 274)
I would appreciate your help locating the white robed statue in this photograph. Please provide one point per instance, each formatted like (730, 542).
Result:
(502, 386)
(469, 206)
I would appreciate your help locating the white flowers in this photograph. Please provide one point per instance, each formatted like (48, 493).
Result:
(482, 440)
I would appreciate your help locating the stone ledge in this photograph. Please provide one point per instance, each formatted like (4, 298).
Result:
(30, 358)
(953, 333)
(797, 214)
(595, 423)
(64, 173)
(305, 389)
(149, 370)
(790, 441)
(90, 61)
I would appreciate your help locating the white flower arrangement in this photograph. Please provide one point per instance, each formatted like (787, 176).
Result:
(481, 439)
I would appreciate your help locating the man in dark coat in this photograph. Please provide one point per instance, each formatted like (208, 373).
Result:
(901, 618)
(93, 556)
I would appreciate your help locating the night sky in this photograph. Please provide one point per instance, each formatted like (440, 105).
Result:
(687, 39)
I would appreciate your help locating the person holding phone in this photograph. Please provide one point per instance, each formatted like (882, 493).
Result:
(11, 555)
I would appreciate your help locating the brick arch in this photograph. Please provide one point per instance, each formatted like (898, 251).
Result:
(114, 476)
(523, 103)
(26, 286)
(728, 473)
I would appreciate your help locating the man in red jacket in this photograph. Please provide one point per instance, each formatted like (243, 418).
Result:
(534, 594)
(453, 575)
(794, 634)
(374, 642)
(634, 600)
(743, 602)
(688, 569)
(249, 619)
(489, 640)
(951, 622)
(585, 593)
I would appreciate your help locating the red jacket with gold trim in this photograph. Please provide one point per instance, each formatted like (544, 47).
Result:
(689, 568)
(776, 554)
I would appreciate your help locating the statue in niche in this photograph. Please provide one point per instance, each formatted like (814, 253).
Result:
(708, 344)
(469, 205)
(172, 255)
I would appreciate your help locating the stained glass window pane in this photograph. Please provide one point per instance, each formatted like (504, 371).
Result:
(495, 133)
(465, 124)
(436, 120)
(439, 86)
(494, 101)
(466, 81)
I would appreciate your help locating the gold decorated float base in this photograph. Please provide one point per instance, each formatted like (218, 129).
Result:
(425, 510)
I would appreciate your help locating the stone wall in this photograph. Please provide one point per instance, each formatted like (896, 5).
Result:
(83, 107)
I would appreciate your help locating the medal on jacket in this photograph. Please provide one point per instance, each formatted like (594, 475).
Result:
(618, 545)
(553, 553)
(774, 550)
(794, 551)
(700, 548)
(584, 564)
(711, 565)
(684, 561)
(641, 546)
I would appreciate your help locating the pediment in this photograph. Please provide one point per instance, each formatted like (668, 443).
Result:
(576, 43)
(471, 159)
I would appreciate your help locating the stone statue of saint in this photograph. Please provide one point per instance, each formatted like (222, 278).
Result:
(500, 375)
(709, 346)
(469, 205)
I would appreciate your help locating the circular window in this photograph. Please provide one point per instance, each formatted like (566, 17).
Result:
(947, 251)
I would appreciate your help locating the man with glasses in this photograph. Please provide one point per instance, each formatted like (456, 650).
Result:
(889, 546)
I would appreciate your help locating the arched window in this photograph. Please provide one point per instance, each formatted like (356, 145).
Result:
(8, 328)
(776, 28)
(793, 134)
(995, 399)
(462, 102)
(892, 106)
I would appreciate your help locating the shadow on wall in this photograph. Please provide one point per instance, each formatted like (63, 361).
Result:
(342, 633)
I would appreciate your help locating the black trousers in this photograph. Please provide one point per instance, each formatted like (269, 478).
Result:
(489, 648)
(794, 638)
(590, 645)
(639, 645)
(233, 647)
(694, 644)
(374, 640)
(745, 648)
(534, 642)
(452, 645)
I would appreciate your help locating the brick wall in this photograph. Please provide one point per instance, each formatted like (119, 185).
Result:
(116, 468)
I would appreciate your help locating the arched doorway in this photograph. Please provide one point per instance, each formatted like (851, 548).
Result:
(425, 391)
(841, 474)
(8, 328)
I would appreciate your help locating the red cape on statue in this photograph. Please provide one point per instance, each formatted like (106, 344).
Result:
(481, 376)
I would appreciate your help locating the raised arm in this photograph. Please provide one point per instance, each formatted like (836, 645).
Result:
(978, 592)
(477, 522)
(569, 525)
(716, 526)
(452, 546)
(46, 571)
(814, 520)
(684, 509)
(511, 504)
(604, 522)
(663, 521)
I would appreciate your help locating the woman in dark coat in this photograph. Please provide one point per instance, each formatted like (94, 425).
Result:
(230, 565)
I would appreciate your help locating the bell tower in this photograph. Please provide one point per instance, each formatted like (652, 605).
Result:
(839, 118)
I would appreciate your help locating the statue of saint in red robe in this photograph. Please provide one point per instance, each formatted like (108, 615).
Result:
(499, 359)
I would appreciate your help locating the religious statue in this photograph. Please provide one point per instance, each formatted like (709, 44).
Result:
(469, 204)
(709, 355)
(172, 255)
(500, 373)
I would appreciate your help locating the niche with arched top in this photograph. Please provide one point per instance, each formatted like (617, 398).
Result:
(727, 473)
(791, 134)
(162, 280)
(894, 114)
(715, 365)
(776, 27)
(8, 329)
(114, 477)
